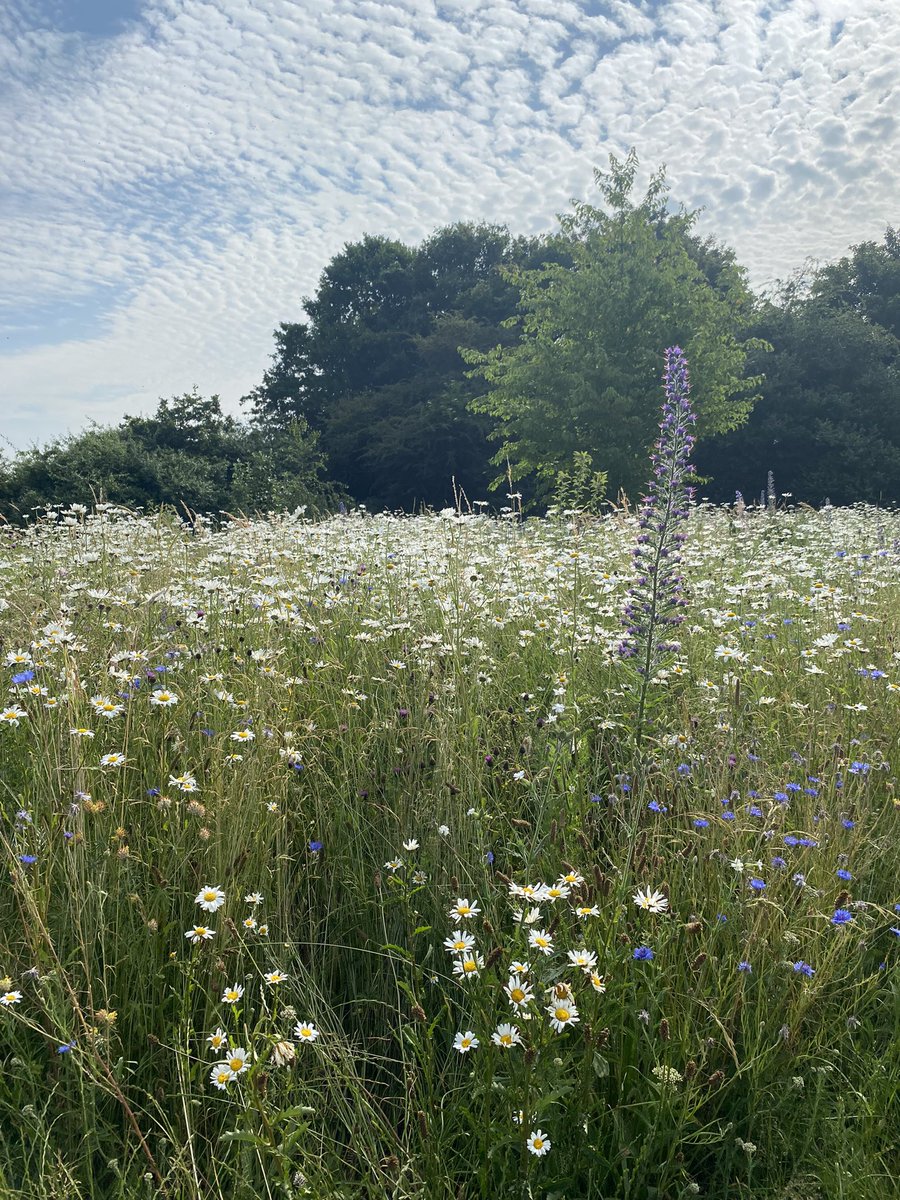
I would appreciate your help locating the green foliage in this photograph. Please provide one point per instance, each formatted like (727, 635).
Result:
(580, 488)
(376, 369)
(584, 374)
(827, 423)
(187, 454)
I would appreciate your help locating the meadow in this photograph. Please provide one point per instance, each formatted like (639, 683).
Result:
(337, 862)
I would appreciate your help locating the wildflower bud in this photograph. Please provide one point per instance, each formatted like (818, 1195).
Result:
(529, 1056)
(584, 842)
(664, 1030)
(693, 926)
(494, 955)
(378, 882)
(423, 1124)
(699, 961)
(196, 809)
(204, 834)
(554, 832)
(716, 1078)
(454, 884)
(391, 1164)
(690, 1069)
(153, 925)
(487, 927)
(504, 879)
(842, 898)
(518, 823)
(624, 939)
(152, 1039)
(418, 1012)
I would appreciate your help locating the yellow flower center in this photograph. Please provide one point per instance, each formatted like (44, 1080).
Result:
(563, 1014)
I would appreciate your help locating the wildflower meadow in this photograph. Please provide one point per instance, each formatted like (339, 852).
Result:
(457, 855)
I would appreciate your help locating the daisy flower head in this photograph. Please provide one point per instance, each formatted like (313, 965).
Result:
(12, 715)
(587, 910)
(538, 1143)
(459, 942)
(217, 1040)
(238, 1060)
(305, 1031)
(519, 967)
(597, 982)
(586, 959)
(556, 891)
(163, 698)
(116, 759)
(571, 878)
(8, 999)
(253, 898)
(393, 864)
(221, 1075)
(184, 783)
(233, 994)
(243, 735)
(562, 1014)
(540, 939)
(464, 1042)
(199, 933)
(462, 910)
(506, 1036)
(468, 966)
(411, 844)
(518, 992)
(210, 898)
(274, 977)
(652, 902)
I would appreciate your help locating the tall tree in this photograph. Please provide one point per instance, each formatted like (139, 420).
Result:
(828, 421)
(375, 367)
(584, 375)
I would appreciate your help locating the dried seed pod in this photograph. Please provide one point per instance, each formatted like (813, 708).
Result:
(716, 1078)
(699, 961)
(664, 1032)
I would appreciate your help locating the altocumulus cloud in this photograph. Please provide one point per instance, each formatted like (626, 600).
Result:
(177, 173)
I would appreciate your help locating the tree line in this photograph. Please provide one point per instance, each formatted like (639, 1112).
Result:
(479, 363)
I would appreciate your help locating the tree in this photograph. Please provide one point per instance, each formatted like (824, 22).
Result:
(376, 368)
(828, 421)
(584, 375)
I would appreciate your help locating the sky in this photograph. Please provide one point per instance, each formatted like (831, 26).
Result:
(176, 174)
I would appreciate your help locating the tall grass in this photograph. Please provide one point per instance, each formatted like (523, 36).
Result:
(452, 681)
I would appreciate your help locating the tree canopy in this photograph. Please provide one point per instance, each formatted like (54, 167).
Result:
(584, 375)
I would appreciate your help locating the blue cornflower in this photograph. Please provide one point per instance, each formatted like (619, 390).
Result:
(781, 797)
(847, 823)
(790, 840)
(792, 787)
(684, 768)
(859, 768)
(153, 791)
(808, 842)
(643, 954)
(803, 968)
(595, 799)
(655, 806)
(23, 677)
(721, 918)
(758, 885)
(842, 916)
(489, 857)
(843, 874)
(779, 863)
(700, 823)
(744, 966)
(754, 810)
(27, 859)
(895, 931)
(66, 1047)
(315, 847)
(728, 816)
(799, 879)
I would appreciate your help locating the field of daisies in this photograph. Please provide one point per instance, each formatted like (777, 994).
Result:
(338, 862)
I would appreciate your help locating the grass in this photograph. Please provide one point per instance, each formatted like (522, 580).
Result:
(347, 688)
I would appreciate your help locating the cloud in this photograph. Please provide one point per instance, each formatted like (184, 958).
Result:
(176, 181)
